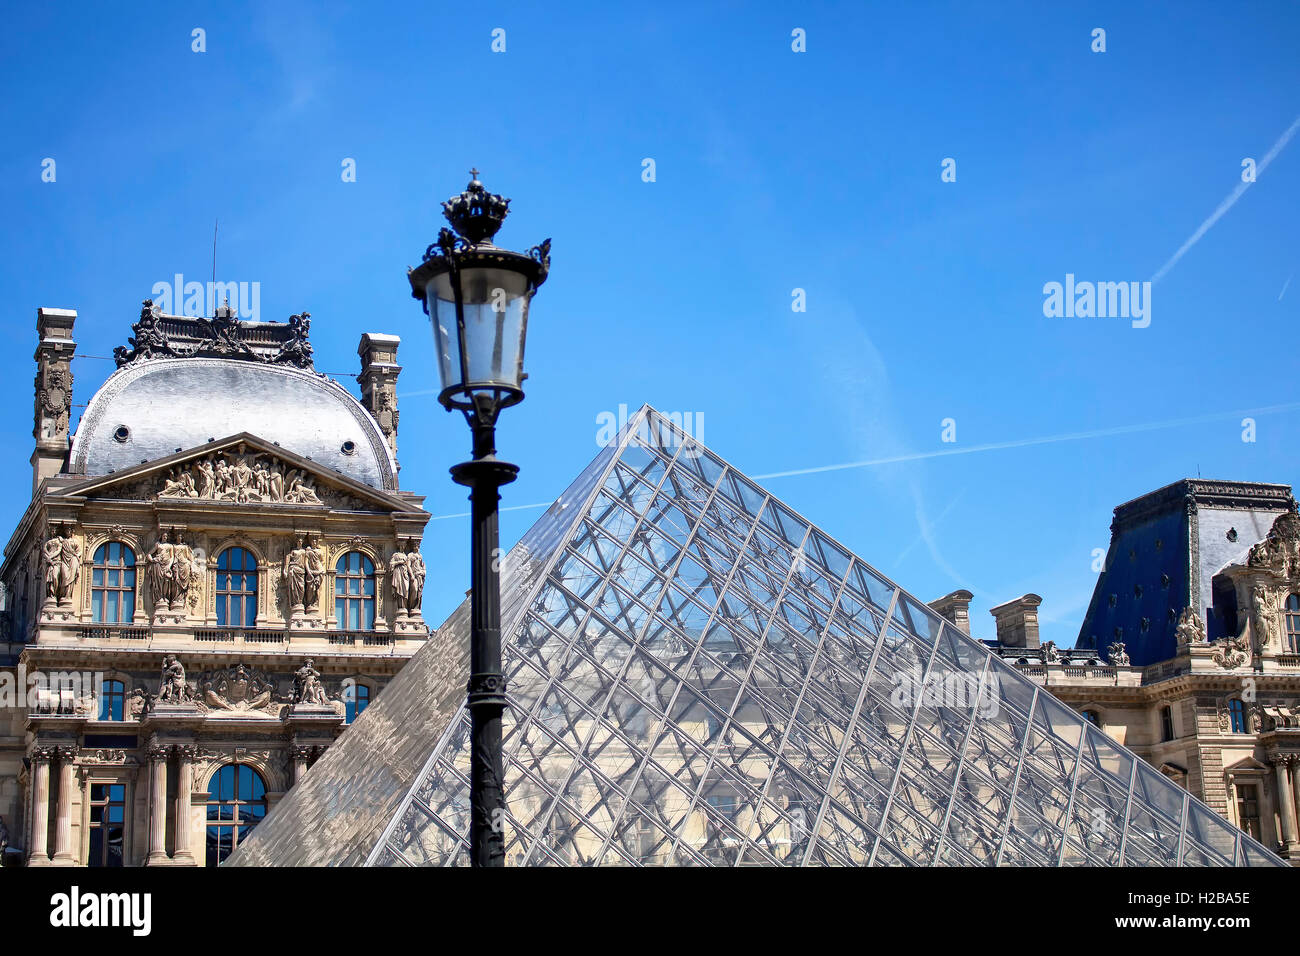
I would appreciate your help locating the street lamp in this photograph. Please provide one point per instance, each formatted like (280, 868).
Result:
(476, 296)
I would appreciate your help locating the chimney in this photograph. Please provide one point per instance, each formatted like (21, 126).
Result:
(53, 392)
(1017, 621)
(378, 380)
(956, 608)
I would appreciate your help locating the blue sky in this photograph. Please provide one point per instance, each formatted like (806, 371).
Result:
(775, 170)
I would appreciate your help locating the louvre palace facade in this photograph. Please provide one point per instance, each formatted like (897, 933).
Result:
(215, 575)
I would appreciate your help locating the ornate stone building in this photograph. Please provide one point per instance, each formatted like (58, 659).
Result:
(1190, 650)
(215, 574)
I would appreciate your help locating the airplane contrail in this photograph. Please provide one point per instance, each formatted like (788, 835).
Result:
(992, 446)
(1025, 442)
(1227, 203)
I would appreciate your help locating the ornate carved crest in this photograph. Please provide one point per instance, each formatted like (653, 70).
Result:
(239, 688)
(156, 335)
(1231, 652)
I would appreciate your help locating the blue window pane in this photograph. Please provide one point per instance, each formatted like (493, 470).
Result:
(97, 606)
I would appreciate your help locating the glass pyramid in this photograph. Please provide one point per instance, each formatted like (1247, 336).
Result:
(698, 676)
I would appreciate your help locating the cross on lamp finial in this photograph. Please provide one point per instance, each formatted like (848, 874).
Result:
(473, 172)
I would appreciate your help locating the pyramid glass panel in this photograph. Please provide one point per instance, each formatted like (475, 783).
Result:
(700, 677)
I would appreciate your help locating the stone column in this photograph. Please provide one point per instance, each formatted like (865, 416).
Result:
(184, 823)
(63, 855)
(157, 805)
(38, 854)
(1286, 803)
(299, 755)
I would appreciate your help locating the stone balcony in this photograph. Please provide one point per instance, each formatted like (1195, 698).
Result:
(260, 640)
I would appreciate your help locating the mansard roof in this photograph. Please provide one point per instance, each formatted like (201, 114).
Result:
(1166, 546)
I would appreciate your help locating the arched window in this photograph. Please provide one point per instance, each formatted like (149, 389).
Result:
(1293, 623)
(236, 804)
(112, 702)
(1237, 715)
(236, 588)
(112, 584)
(360, 700)
(354, 592)
(1092, 717)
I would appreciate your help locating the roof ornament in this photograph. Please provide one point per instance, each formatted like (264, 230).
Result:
(157, 335)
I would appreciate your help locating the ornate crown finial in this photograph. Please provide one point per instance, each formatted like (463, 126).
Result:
(476, 214)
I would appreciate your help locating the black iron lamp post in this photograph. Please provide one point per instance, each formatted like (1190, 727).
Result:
(477, 298)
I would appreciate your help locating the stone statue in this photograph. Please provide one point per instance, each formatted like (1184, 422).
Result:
(173, 688)
(1261, 616)
(1048, 653)
(207, 479)
(400, 577)
(295, 575)
(307, 688)
(1190, 629)
(313, 574)
(61, 556)
(51, 551)
(186, 569)
(1117, 655)
(415, 573)
(161, 563)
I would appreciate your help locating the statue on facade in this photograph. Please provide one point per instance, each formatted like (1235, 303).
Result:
(1117, 655)
(399, 576)
(62, 559)
(1261, 615)
(295, 575)
(1190, 629)
(307, 688)
(406, 572)
(313, 574)
(1048, 653)
(161, 562)
(415, 573)
(173, 689)
(186, 569)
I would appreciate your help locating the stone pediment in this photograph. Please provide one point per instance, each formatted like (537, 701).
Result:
(240, 470)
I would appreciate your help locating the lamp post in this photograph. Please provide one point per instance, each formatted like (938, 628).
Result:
(477, 296)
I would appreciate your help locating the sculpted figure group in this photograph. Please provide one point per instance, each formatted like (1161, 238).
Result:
(174, 688)
(304, 571)
(241, 478)
(407, 576)
(171, 567)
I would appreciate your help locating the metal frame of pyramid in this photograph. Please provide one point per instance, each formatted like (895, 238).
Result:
(699, 676)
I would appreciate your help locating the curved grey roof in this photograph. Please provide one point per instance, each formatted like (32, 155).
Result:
(167, 404)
